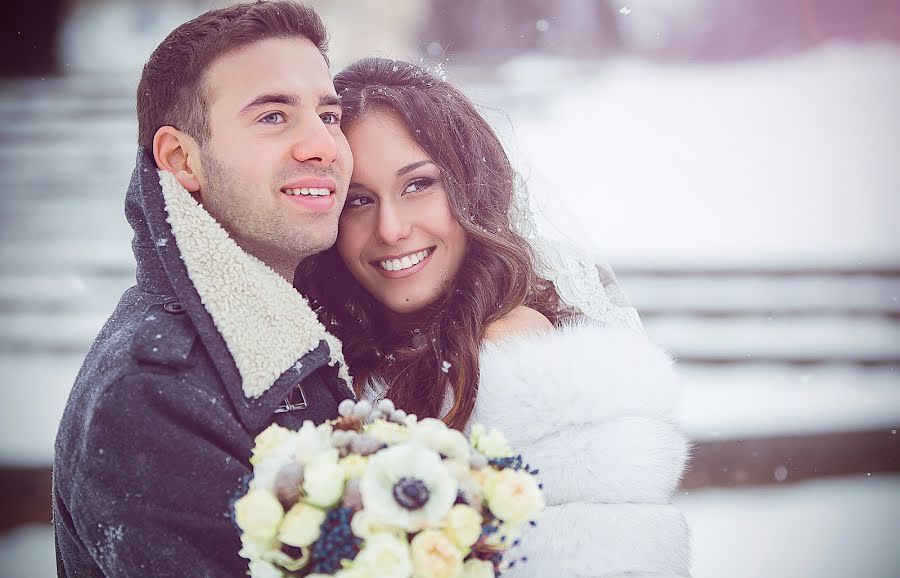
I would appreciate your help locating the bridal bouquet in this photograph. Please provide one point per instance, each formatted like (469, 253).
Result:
(377, 493)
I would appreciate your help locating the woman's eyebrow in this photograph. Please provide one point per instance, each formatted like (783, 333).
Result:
(413, 166)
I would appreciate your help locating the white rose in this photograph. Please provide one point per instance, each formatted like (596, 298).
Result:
(475, 568)
(258, 514)
(493, 444)
(386, 556)
(513, 496)
(323, 479)
(310, 440)
(268, 440)
(263, 569)
(301, 525)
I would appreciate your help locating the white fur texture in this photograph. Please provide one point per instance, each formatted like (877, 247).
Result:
(593, 408)
(266, 324)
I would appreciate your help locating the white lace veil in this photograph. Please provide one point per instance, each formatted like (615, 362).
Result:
(582, 281)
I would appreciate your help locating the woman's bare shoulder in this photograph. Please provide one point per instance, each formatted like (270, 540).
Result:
(519, 321)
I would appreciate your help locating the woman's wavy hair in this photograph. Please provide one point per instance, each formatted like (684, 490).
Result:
(497, 274)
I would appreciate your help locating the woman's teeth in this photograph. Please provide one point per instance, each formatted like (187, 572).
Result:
(308, 191)
(404, 262)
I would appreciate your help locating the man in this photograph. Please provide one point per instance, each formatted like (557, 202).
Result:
(242, 172)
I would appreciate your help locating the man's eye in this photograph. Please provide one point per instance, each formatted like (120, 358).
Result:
(272, 118)
(418, 185)
(330, 118)
(359, 201)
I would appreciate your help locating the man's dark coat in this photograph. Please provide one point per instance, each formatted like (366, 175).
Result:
(155, 440)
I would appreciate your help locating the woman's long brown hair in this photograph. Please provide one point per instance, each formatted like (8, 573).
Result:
(422, 365)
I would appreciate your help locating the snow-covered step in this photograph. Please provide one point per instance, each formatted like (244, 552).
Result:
(77, 254)
(41, 150)
(758, 401)
(51, 332)
(61, 292)
(868, 340)
(59, 224)
(763, 293)
(35, 389)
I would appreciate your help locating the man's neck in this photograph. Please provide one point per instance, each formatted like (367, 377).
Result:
(285, 270)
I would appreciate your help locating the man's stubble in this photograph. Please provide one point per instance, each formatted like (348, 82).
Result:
(256, 223)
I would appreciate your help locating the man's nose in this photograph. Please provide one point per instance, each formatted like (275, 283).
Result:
(393, 225)
(315, 143)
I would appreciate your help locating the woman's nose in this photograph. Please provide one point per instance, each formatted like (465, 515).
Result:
(393, 224)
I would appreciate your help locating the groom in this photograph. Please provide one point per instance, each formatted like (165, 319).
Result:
(237, 112)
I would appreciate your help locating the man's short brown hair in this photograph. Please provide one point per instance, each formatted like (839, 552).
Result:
(172, 91)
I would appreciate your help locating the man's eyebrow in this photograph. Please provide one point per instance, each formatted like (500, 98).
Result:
(330, 100)
(413, 166)
(289, 100)
(273, 98)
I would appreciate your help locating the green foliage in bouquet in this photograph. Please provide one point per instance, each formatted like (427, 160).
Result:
(378, 493)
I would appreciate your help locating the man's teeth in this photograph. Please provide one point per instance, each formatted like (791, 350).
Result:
(308, 191)
(404, 262)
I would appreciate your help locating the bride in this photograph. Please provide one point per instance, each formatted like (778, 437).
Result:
(448, 301)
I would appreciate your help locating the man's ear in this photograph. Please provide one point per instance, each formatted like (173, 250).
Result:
(177, 152)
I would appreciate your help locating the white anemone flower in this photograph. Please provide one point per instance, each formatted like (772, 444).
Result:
(407, 486)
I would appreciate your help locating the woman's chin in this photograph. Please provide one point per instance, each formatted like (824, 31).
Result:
(409, 311)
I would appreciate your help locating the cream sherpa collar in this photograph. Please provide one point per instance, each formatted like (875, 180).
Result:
(265, 323)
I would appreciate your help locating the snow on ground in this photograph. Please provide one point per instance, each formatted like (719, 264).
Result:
(828, 528)
(28, 552)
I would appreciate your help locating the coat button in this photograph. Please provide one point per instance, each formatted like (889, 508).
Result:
(174, 307)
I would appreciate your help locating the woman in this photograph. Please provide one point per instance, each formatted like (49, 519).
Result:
(434, 288)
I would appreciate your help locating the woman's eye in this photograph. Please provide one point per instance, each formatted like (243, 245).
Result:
(418, 185)
(359, 201)
(330, 118)
(272, 118)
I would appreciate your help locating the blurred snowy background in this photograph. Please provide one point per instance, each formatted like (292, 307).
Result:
(737, 161)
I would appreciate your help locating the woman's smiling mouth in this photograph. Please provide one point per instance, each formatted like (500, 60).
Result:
(403, 265)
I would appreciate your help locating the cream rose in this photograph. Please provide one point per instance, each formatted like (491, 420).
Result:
(478, 569)
(463, 526)
(354, 465)
(385, 556)
(268, 440)
(258, 513)
(301, 525)
(513, 496)
(323, 479)
(434, 555)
